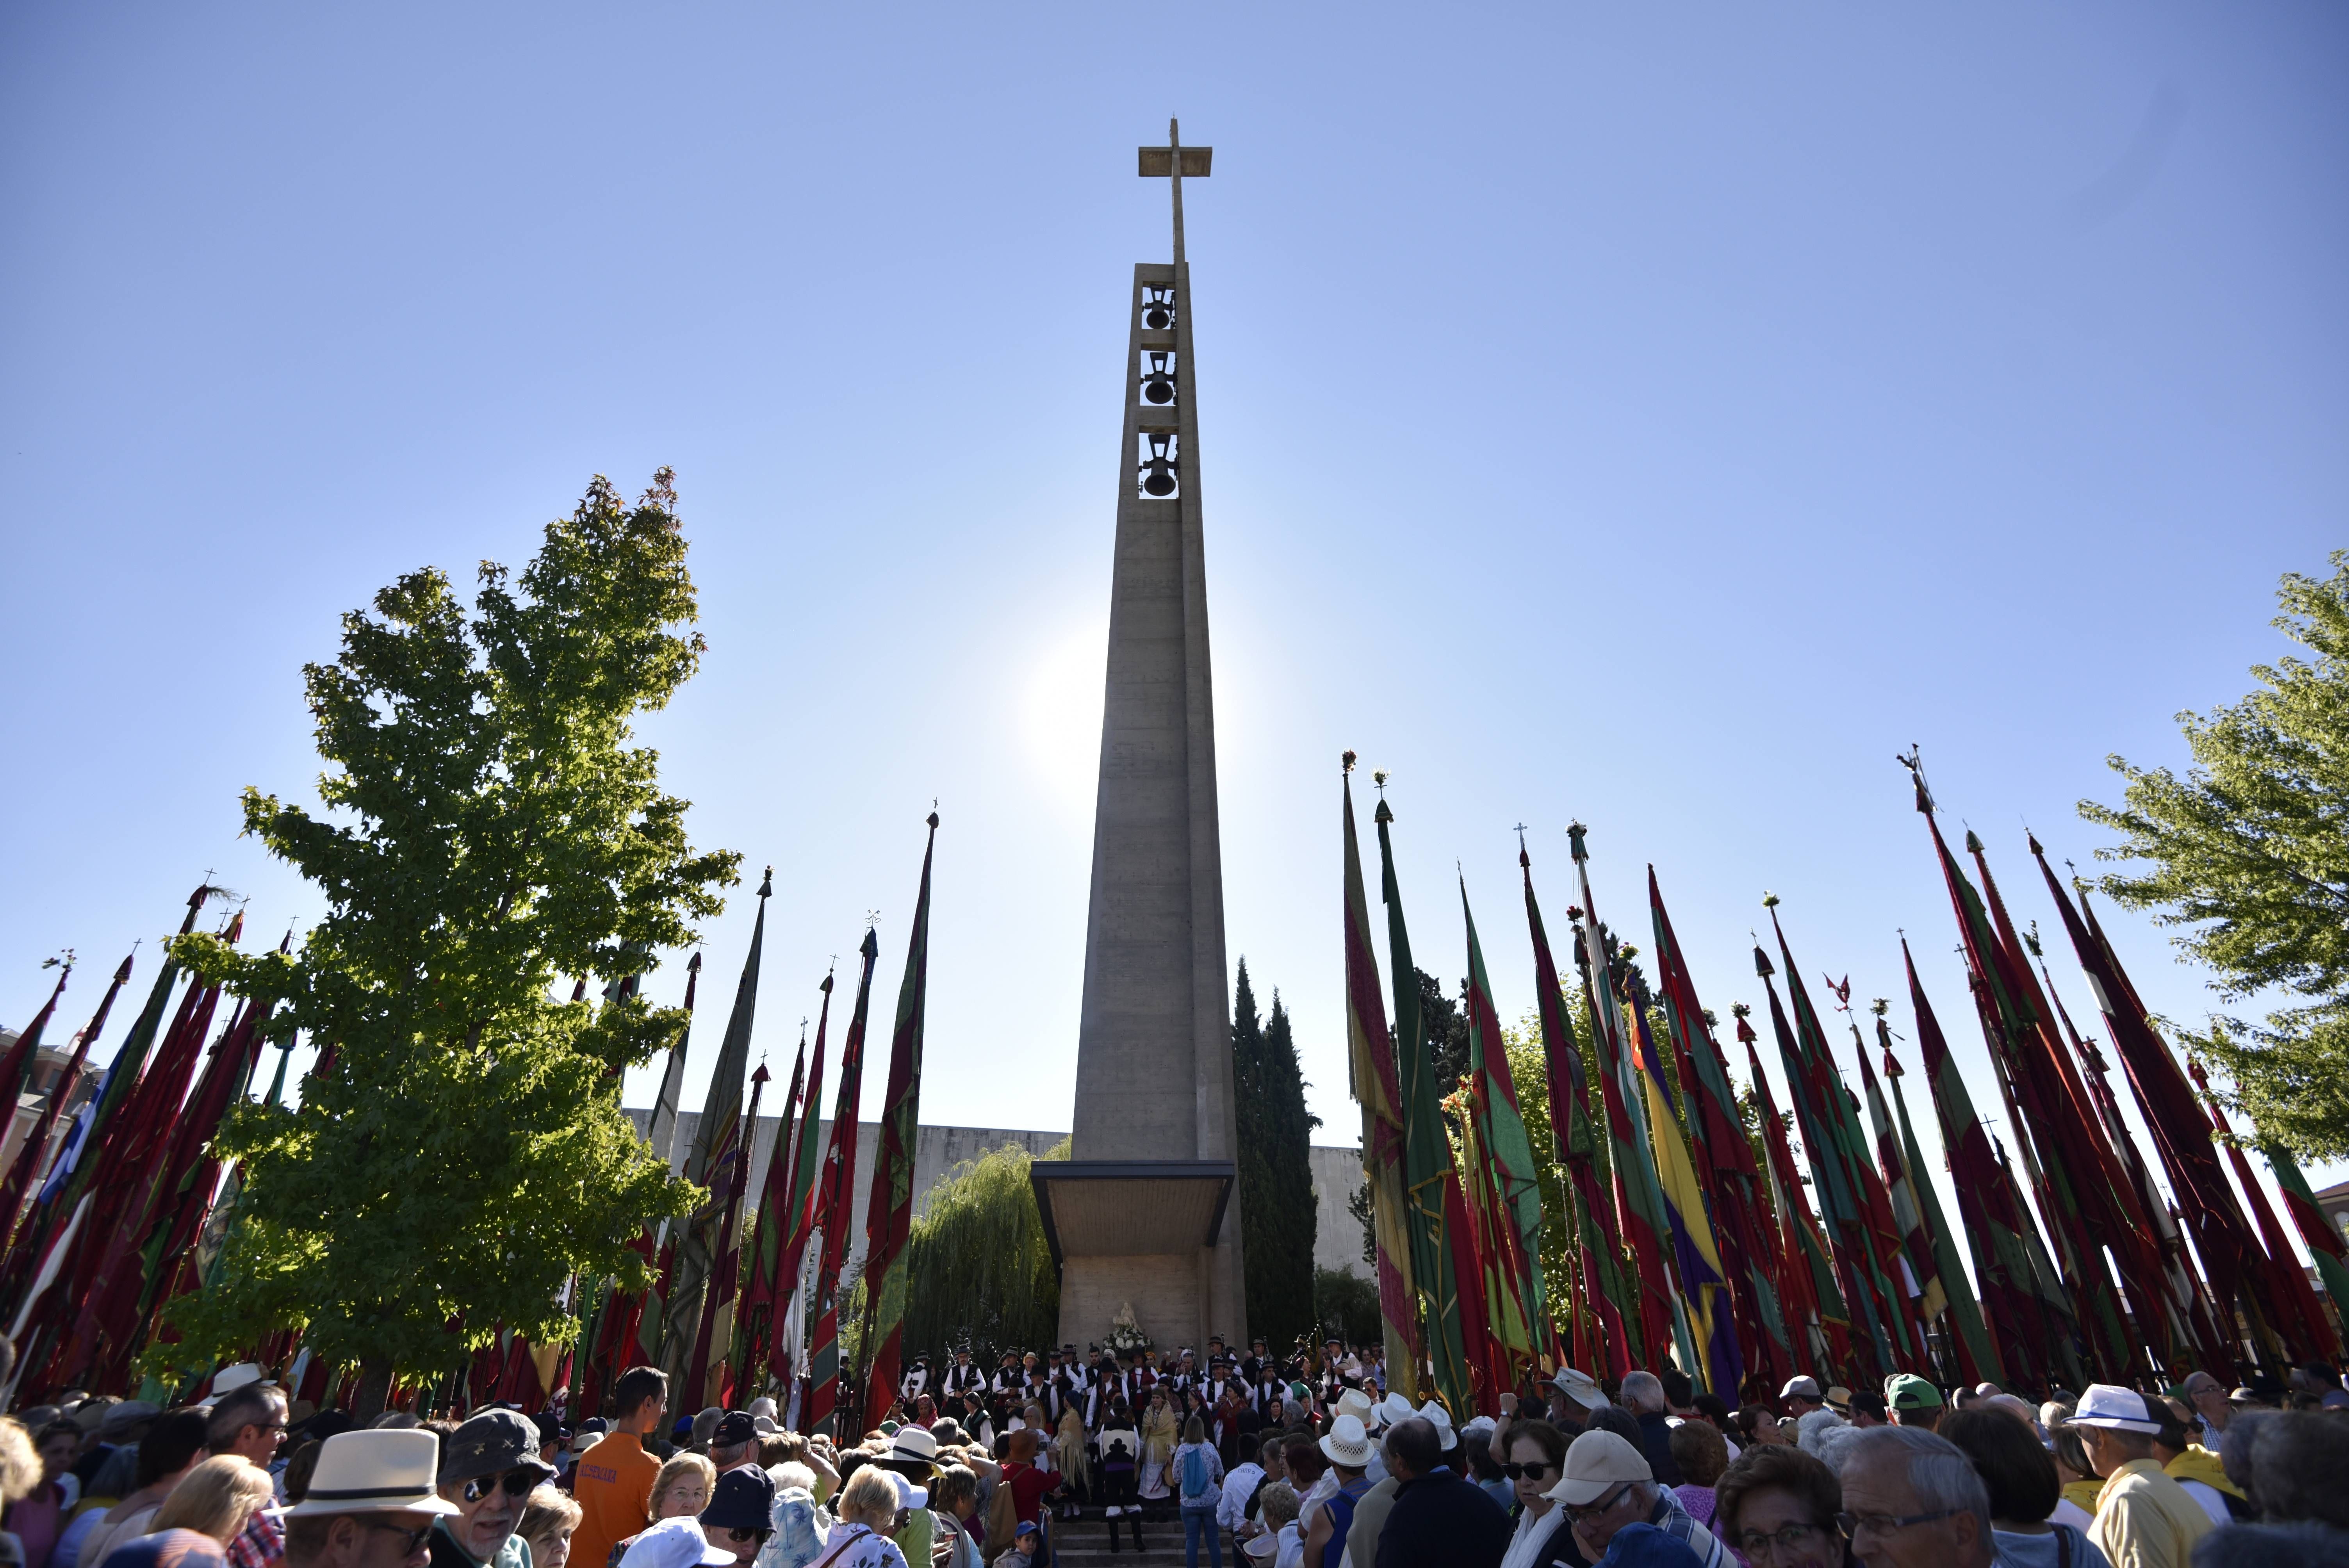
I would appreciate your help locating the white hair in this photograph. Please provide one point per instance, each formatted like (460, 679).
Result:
(1939, 1473)
(1643, 1391)
(1821, 1434)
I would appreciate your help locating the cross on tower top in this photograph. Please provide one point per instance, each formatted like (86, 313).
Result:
(1171, 164)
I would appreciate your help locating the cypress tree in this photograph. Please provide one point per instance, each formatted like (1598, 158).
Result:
(1276, 1174)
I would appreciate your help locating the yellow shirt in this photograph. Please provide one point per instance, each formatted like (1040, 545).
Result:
(2145, 1520)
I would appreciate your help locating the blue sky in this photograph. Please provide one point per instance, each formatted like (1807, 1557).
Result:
(1653, 415)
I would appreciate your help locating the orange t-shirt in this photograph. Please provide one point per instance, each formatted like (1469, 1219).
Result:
(614, 1489)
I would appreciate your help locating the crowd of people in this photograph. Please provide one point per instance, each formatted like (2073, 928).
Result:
(1306, 1460)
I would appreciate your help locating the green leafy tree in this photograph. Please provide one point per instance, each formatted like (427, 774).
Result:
(1347, 1305)
(979, 1271)
(488, 828)
(1277, 1209)
(2249, 853)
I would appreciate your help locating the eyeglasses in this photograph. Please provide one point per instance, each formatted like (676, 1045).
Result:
(517, 1483)
(1593, 1510)
(409, 1538)
(743, 1537)
(1851, 1524)
(1785, 1538)
(1535, 1471)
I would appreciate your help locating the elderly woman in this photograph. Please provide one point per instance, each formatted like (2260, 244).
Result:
(682, 1488)
(1777, 1506)
(1534, 1458)
(799, 1521)
(546, 1527)
(870, 1505)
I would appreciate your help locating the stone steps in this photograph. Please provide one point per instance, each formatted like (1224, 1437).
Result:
(1084, 1543)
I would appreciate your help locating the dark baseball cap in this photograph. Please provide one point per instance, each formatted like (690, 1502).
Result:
(735, 1427)
(491, 1443)
(740, 1500)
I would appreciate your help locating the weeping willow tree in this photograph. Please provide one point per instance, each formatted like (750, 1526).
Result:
(978, 1272)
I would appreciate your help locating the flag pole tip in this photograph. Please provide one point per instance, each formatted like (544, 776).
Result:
(1346, 760)
(767, 883)
(1769, 899)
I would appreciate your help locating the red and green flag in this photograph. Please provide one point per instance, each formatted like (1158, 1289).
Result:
(762, 1251)
(889, 1218)
(27, 1166)
(1428, 1174)
(720, 1141)
(1370, 1071)
(2031, 1326)
(1814, 1304)
(1970, 1344)
(1638, 1207)
(2090, 1174)
(1515, 1305)
(2293, 1306)
(1831, 1176)
(834, 1207)
(2323, 1242)
(2214, 1223)
(1724, 1159)
(719, 1297)
(1606, 1343)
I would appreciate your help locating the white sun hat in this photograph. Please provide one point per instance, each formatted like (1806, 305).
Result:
(378, 1469)
(2119, 1409)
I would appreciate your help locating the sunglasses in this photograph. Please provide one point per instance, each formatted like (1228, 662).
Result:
(516, 1482)
(743, 1537)
(1535, 1471)
(410, 1539)
(1593, 1510)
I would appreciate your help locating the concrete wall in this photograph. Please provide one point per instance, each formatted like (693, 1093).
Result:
(1337, 1172)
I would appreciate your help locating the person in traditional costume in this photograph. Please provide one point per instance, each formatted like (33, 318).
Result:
(1161, 1430)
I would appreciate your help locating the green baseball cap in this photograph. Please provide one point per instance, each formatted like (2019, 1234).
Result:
(1907, 1391)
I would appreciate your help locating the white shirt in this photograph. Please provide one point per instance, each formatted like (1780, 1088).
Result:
(1319, 1493)
(2213, 1501)
(1233, 1506)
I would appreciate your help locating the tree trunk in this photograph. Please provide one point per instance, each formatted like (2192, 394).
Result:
(374, 1388)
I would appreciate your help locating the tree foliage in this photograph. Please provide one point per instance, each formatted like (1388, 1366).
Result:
(2248, 853)
(1279, 1211)
(978, 1271)
(1446, 1021)
(487, 829)
(1347, 1307)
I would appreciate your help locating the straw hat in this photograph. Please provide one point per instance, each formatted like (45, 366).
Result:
(1348, 1444)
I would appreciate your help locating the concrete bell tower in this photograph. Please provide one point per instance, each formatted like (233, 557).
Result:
(1146, 1211)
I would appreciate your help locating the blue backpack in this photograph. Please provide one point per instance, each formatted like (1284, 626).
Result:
(1194, 1474)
